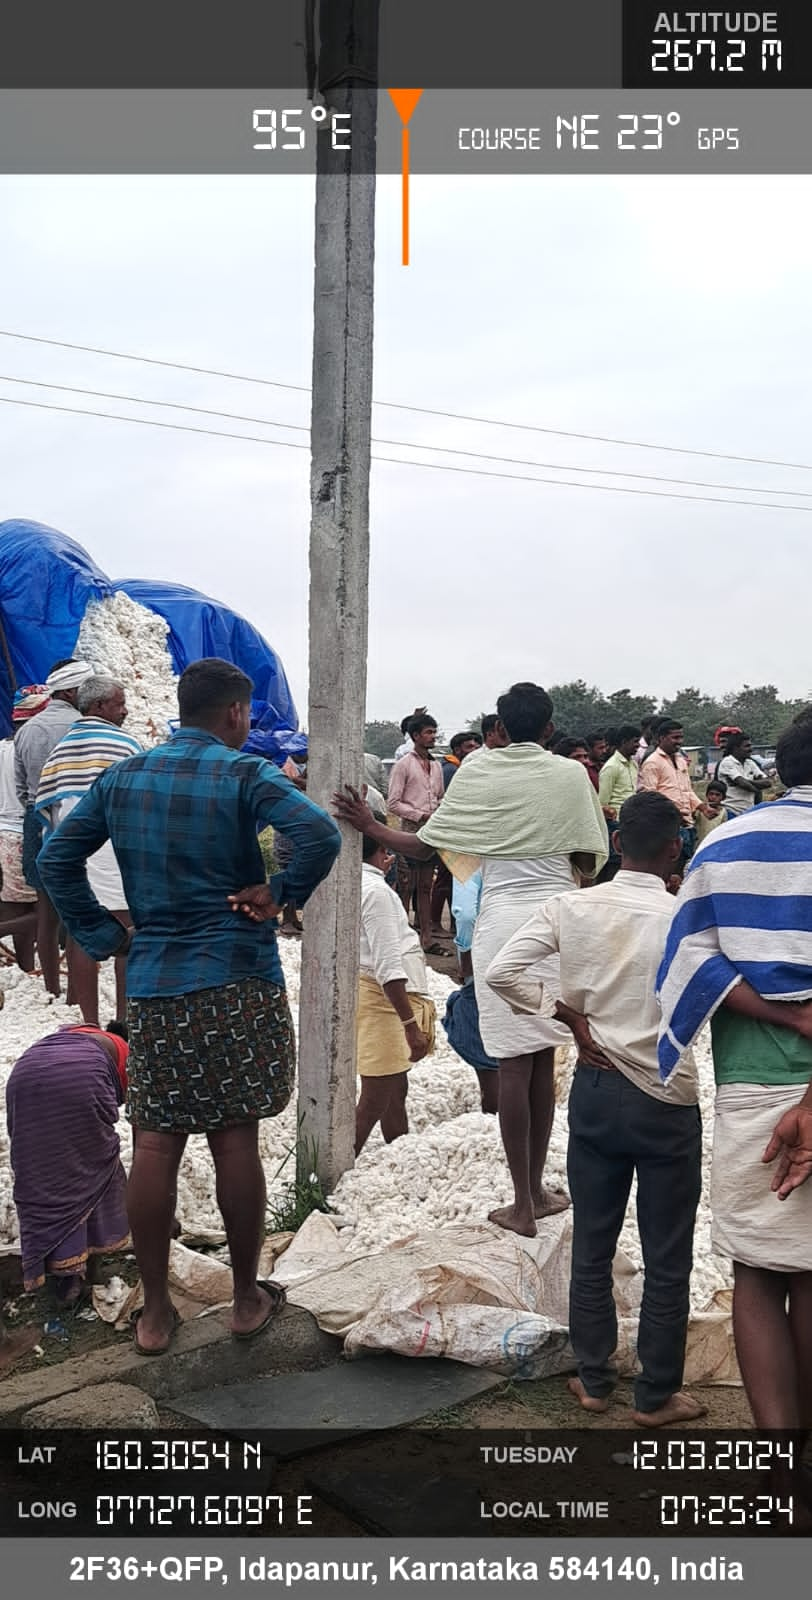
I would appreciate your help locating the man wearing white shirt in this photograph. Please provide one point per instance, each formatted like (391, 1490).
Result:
(395, 1015)
(624, 1122)
(744, 778)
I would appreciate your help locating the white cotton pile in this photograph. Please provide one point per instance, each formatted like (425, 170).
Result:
(125, 641)
(449, 1169)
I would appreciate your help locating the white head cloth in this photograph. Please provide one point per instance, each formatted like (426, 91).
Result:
(68, 677)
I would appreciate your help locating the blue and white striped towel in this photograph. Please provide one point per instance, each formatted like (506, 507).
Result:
(744, 912)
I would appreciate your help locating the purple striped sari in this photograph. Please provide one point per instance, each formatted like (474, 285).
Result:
(62, 1101)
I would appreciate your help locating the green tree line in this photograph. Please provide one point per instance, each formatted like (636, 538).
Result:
(579, 707)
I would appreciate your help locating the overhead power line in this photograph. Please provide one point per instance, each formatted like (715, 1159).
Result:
(405, 444)
(396, 461)
(397, 405)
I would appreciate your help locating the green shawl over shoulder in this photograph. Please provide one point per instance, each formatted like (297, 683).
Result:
(519, 803)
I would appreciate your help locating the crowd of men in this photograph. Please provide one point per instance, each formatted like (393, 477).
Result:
(557, 854)
(574, 844)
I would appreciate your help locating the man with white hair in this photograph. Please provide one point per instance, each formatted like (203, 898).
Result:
(32, 747)
(93, 743)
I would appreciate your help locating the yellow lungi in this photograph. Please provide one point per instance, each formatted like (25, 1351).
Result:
(382, 1048)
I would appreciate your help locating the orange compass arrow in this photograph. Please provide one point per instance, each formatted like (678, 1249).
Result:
(404, 102)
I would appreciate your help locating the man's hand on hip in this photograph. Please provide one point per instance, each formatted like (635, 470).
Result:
(792, 1144)
(589, 1053)
(257, 903)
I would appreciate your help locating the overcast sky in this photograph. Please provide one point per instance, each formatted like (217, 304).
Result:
(674, 310)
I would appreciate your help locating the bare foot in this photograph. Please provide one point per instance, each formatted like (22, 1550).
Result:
(550, 1202)
(515, 1221)
(680, 1408)
(590, 1402)
(13, 1346)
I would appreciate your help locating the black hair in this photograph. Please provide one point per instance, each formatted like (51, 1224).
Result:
(420, 722)
(628, 731)
(612, 736)
(460, 738)
(793, 753)
(120, 1030)
(370, 846)
(647, 823)
(68, 661)
(207, 687)
(405, 726)
(647, 721)
(719, 785)
(668, 725)
(734, 741)
(592, 738)
(477, 737)
(526, 710)
(565, 746)
(488, 723)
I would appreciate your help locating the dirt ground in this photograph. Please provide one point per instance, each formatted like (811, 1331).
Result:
(547, 1403)
(71, 1333)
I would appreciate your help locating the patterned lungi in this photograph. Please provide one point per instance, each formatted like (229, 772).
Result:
(14, 887)
(211, 1059)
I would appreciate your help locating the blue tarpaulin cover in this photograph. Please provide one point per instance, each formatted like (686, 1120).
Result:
(201, 627)
(46, 583)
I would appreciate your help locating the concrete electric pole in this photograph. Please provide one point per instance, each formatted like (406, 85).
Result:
(339, 564)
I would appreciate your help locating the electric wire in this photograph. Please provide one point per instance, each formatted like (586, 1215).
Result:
(397, 405)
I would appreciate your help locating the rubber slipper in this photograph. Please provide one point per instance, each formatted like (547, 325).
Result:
(135, 1318)
(278, 1299)
(437, 949)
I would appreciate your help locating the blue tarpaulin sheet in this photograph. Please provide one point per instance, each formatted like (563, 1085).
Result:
(46, 583)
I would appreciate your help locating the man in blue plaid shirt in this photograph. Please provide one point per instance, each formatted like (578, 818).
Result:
(211, 1039)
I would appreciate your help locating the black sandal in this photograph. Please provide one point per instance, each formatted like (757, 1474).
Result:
(278, 1302)
(135, 1318)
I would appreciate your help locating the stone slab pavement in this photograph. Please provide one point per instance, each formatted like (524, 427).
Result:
(203, 1355)
(372, 1393)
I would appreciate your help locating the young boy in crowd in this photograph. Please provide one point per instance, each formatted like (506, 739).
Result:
(715, 806)
(623, 1121)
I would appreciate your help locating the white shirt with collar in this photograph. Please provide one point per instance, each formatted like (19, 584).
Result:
(610, 939)
(390, 946)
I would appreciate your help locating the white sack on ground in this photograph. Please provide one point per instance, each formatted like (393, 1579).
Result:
(474, 1294)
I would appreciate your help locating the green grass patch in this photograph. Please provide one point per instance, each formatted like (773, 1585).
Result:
(302, 1193)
